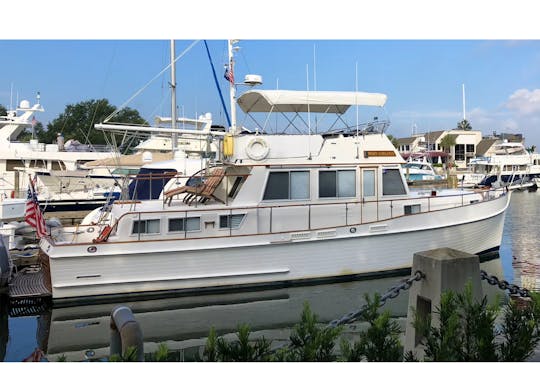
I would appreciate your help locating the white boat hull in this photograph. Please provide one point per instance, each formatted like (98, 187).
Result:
(121, 269)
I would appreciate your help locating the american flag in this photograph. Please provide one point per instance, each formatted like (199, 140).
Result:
(34, 121)
(229, 75)
(33, 215)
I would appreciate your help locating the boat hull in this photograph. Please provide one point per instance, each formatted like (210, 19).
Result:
(125, 269)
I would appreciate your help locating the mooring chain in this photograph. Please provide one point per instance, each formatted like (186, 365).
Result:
(390, 294)
(504, 285)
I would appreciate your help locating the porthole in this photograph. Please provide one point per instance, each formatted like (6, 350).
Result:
(352, 230)
(90, 230)
(91, 249)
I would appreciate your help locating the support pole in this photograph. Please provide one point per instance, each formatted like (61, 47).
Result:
(125, 333)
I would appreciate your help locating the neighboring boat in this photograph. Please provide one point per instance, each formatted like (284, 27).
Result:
(419, 170)
(511, 166)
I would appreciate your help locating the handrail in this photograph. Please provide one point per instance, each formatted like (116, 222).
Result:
(344, 203)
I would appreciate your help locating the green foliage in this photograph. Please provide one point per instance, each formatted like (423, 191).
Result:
(447, 142)
(464, 125)
(393, 139)
(77, 121)
(161, 355)
(467, 333)
(61, 358)
(521, 330)
(381, 341)
(240, 350)
(3, 111)
(130, 355)
(310, 341)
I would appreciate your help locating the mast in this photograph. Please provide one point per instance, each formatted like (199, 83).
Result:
(463, 97)
(232, 89)
(174, 136)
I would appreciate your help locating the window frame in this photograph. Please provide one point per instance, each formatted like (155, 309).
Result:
(184, 221)
(145, 220)
(229, 222)
(336, 184)
(288, 186)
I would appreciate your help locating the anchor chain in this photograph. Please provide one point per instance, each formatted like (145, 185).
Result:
(390, 294)
(504, 285)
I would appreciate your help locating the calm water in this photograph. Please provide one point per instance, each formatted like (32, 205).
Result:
(183, 323)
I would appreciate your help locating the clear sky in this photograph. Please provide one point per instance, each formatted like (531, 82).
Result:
(421, 71)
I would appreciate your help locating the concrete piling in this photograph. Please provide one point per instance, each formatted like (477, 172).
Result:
(445, 269)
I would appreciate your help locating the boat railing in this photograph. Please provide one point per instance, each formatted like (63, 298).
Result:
(295, 218)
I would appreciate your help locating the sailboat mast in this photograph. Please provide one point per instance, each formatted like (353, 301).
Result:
(463, 93)
(232, 89)
(174, 136)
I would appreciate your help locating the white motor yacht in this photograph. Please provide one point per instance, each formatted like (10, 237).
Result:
(274, 209)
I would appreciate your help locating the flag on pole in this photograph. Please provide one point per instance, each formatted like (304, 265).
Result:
(229, 75)
(33, 215)
(34, 121)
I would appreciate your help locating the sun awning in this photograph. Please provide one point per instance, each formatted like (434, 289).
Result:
(288, 101)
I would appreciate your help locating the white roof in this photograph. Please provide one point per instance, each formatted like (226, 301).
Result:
(288, 101)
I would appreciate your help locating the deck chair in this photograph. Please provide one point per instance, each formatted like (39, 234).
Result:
(204, 192)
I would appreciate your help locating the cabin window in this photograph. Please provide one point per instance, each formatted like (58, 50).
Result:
(232, 221)
(392, 183)
(412, 209)
(185, 224)
(368, 183)
(237, 182)
(292, 185)
(145, 226)
(470, 148)
(337, 183)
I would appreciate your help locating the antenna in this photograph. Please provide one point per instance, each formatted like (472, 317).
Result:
(463, 93)
(174, 136)
(308, 111)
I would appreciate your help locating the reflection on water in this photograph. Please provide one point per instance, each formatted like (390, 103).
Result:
(183, 323)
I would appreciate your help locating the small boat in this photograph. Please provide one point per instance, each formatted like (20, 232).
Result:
(419, 170)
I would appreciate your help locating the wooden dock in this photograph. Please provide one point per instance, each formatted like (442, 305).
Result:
(29, 283)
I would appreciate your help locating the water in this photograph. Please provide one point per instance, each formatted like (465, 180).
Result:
(183, 323)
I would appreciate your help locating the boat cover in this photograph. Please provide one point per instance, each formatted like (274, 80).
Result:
(288, 101)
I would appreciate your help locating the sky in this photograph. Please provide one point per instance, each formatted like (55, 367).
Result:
(421, 63)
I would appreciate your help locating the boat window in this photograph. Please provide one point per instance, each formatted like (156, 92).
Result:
(368, 181)
(237, 181)
(185, 224)
(337, 183)
(231, 221)
(392, 182)
(149, 183)
(287, 185)
(145, 226)
(299, 185)
(412, 209)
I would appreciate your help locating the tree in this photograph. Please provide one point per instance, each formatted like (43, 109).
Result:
(448, 142)
(3, 111)
(393, 140)
(77, 121)
(464, 125)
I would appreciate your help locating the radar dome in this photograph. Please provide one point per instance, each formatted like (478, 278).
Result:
(24, 104)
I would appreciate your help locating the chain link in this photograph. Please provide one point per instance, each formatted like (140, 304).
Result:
(390, 294)
(504, 285)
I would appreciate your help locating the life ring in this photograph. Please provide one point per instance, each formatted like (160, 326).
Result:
(257, 149)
